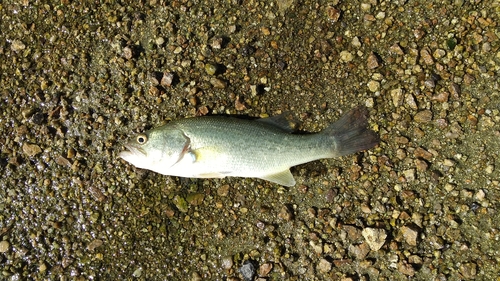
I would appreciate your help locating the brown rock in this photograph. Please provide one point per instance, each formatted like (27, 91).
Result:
(373, 61)
(410, 235)
(31, 149)
(423, 116)
(359, 251)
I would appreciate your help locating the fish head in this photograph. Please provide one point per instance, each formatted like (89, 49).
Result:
(156, 150)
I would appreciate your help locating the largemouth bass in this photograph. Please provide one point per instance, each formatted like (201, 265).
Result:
(218, 146)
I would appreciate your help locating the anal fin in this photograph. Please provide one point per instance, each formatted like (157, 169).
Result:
(284, 178)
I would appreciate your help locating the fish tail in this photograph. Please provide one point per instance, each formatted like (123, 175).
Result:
(351, 133)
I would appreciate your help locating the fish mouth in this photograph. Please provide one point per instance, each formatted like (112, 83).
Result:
(131, 152)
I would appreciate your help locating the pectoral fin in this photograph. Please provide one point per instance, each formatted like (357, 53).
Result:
(284, 178)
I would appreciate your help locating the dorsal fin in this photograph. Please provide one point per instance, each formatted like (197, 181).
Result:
(279, 121)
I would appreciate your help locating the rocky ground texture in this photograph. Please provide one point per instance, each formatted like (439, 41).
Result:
(77, 79)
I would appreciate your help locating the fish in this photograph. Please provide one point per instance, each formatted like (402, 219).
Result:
(266, 148)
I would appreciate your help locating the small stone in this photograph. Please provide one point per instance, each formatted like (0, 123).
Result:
(265, 31)
(489, 169)
(468, 270)
(42, 267)
(96, 243)
(439, 53)
(324, 266)
(355, 42)
(248, 270)
(375, 237)
(218, 83)
(397, 97)
(410, 235)
(373, 61)
(227, 263)
(333, 13)
(265, 268)
(373, 85)
(409, 174)
(71, 153)
(455, 91)
(239, 105)
(210, 68)
(167, 79)
(406, 269)
(285, 213)
(423, 116)
(137, 273)
(4, 246)
(359, 251)
(441, 97)
(17, 45)
(422, 153)
(410, 101)
(396, 49)
(127, 53)
(153, 91)
(217, 43)
(421, 165)
(346, 56)
(31, 149)
(180, 203)
(426, 56)
(159, 41)
(195, 199)
(223, 190)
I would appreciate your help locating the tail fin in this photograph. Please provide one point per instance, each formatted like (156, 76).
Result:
(351, 132)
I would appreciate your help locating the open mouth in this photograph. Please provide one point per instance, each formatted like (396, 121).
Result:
(131, 152)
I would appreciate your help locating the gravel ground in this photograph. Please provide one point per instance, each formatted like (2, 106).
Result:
(79, 79)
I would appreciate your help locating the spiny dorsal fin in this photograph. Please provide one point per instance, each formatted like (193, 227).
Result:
(281, 121)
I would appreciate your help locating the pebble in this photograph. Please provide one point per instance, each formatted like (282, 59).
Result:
(454, 91)
(355, 42)
(4, 246)
(409, 174)
(410, 101)
(31, 149)
(195, 199)
(359, 251)
(373, 86)
(422, 153)
(324, 266)
(397, 97)
(180, 203)
(17, 45)
(265, 268)
(167, 79)
(468, 270)
(127, 53)
(423, 116)
(210, 68)
(375, 237)
(218, 83)
(346, 56)
(227, 263)
(373, 61)
(248, 270)
(396, 49)
(426, 56)
(333, 13)
(223, 190)
(410, 235)
(421, 165)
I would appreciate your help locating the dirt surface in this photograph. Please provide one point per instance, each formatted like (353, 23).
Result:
(77, 80)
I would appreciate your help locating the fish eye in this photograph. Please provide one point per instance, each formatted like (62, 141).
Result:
(141, 139)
